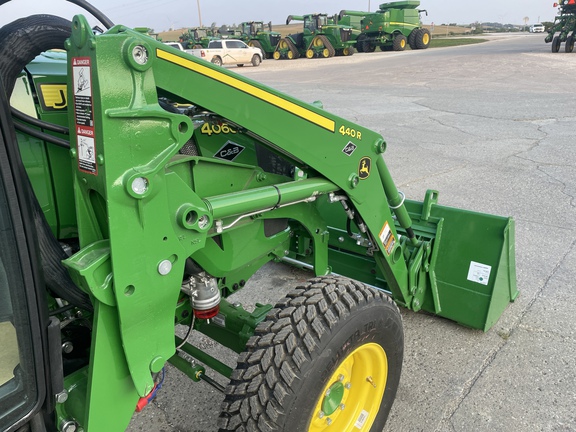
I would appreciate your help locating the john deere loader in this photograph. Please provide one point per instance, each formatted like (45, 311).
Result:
(140, 187)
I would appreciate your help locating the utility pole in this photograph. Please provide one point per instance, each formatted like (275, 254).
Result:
(199, 13)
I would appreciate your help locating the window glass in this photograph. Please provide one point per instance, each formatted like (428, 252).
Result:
(18, 387)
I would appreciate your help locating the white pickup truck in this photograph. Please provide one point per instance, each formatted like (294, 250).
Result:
(229, 51)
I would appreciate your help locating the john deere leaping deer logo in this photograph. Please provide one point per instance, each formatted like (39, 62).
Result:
(364, 168)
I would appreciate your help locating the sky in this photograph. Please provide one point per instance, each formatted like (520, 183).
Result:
(165, 14)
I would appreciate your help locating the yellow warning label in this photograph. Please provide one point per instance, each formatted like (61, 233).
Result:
(53, 96)
(387, 238)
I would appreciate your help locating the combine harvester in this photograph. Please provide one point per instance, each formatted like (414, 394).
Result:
(144, 186)
(394, 25)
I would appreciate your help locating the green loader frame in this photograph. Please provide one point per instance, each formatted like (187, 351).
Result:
(156, 201)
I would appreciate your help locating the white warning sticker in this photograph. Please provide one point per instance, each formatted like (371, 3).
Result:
(84, 114)
(479, 273)
(361, 419)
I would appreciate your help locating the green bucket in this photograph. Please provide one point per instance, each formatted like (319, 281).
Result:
(474, 273)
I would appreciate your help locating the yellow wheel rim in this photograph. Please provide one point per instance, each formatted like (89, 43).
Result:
(290, 55)
(326, 53)
(309, 54)
(403, 43)
(276, 55)
(351, 398)
(346, 51)
(283, 44)
(317, 42)
(426, 38)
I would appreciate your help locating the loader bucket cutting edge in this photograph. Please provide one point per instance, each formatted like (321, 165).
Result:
(475, 264)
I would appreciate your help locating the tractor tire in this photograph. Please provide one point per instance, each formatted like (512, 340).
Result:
(309, 53)
(412, 39)
(422, 39)
(556, 44)
(399, 43)
(290, 55)
(360, 43)
(256, 60)
(240, 65)
(569, 44)
(330, 353)
(368, 47)
(197, 46)
(348, 51)
(276, 55)
(217, 61)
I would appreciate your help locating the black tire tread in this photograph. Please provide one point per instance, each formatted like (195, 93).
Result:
(265, 374)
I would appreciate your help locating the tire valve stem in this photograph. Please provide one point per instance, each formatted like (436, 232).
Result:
(371, 381)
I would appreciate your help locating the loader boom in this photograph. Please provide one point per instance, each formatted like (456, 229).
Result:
(188, 178)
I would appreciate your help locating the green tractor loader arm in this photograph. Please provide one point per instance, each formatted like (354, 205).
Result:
(187, 178)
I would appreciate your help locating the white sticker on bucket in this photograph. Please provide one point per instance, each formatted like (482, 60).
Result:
(361, 419)
(479, 273)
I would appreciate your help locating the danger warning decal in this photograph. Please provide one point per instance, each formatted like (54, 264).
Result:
(84, 114)
(387, 238)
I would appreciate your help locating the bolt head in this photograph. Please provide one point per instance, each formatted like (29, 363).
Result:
(347, 386)
(321, 414)
(328, 421)
(140, 54)
(342, 406)
(328, 392)
(164, 267)
(340, 377)
(139, 185)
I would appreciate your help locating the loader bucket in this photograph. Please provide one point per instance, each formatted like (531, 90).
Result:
(473, 273)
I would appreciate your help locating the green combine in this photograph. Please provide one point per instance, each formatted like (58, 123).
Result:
(394, 25)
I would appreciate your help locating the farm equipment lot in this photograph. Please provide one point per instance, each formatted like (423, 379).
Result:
(485, 126)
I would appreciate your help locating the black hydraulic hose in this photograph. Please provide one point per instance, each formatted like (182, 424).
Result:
(42, 135)
(38, 123)
(94, 12)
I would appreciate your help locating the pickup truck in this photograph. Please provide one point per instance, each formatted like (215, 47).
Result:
(229, 51)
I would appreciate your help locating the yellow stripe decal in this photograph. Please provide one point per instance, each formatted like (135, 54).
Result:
(403, 24)
(284, 104)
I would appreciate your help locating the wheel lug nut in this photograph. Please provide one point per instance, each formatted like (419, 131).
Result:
(321, 414)
(328, 421)
(347, 386)
(340, 377)
(327, 392)
(342, 406)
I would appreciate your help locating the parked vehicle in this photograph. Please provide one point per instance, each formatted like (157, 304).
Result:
(394, 25)
(537, 28)
(565, 25)
(255, 34)
(229, 51)
(320, 37)
(197, 37)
